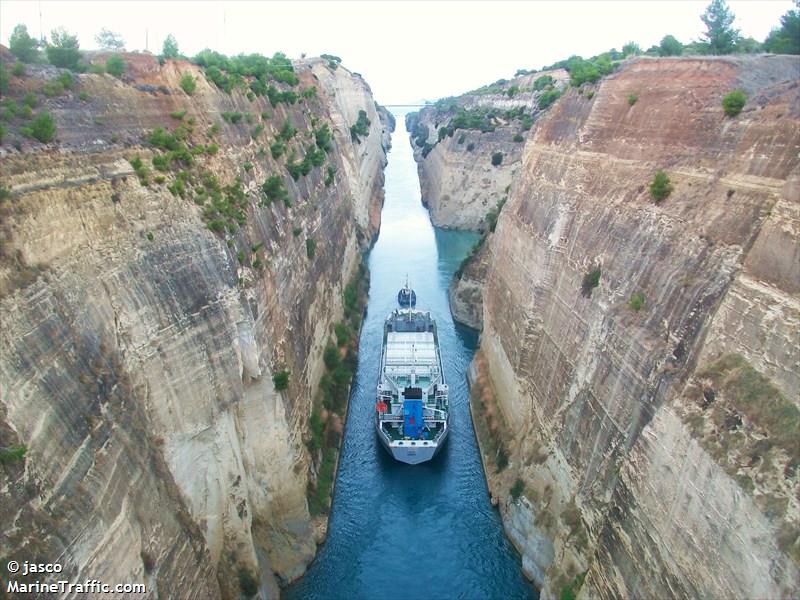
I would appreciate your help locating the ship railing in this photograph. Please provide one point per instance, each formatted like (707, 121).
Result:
(389, 417)
(437, 415)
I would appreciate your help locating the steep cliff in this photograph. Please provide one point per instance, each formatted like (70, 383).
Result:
(154, 298)
(636, 391)
(455, 140)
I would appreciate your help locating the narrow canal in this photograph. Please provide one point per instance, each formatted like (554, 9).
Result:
(398, 531)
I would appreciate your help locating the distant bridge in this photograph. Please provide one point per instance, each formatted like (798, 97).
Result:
(407, 105)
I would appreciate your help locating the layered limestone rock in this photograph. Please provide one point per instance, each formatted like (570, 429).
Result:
(459, 182)
(466, 289)
(138, 347)
(636, 386)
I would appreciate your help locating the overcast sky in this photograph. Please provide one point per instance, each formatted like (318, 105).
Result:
(406, 51)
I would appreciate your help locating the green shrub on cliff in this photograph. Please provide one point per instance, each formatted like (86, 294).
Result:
(276, 97)
(547, 98)
(4, 78)
(343, 334)
(479, 118)
(115, 66)
(281, 380)
(67, 80)
(316, 428)
(287, 131)
(277, 149)
(247, 583)
(51, 89)
(232, 117)
(256, 131)
(31, 100)
(497, 159)
(590, 281)
(542, 82)
(323, 138)
(331, 357)
(570, 591)
(330, 176)
(517, 489)
(216, 225)
(632, 98)
(274, 189)
(734, 102)
(493, 214)
(501, 458)
(12, 454)
(188, 83)
(360, 128)
(636, 301)
(660, 187)
(311, 248)
(42, 128)
(140, 169)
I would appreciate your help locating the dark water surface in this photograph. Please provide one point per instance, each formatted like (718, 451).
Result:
(399, 531)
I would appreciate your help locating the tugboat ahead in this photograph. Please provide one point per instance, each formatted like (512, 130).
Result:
(406, 297)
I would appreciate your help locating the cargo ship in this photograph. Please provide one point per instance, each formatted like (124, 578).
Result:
(412, 416)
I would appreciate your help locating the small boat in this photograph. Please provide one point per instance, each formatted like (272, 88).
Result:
(406, 297)
(412, 415)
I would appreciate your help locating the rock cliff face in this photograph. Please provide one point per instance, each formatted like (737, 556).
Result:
(637, 382)
(459, 183)
(138, 347)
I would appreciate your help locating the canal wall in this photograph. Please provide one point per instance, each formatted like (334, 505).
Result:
(639, 359)
(163, 328)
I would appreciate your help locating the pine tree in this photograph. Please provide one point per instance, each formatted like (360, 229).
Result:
(170, 49)
(720, 37)
(670, 46)
(786, 38)
(22, 45)
(63, 50)
(109, 40)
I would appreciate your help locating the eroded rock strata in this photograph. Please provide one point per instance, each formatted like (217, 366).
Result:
(138, 346)
(459, 182)
(636, 391)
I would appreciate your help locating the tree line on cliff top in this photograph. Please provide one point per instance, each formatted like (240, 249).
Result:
(719, 38)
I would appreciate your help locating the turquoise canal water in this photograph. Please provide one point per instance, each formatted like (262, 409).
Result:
(398, 531)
